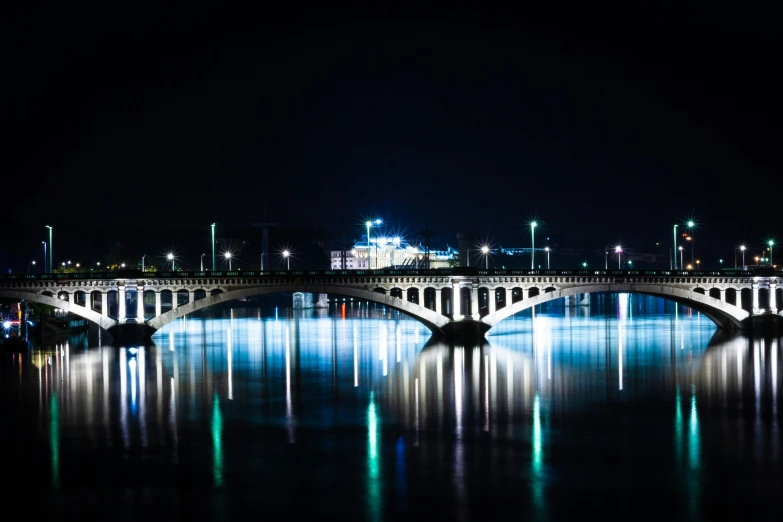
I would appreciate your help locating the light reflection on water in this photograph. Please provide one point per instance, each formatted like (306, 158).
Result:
(350, 409)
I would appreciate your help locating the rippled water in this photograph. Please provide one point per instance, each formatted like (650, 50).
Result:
(631, 406)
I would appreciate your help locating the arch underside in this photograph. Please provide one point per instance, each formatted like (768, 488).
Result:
(723, 314)
(82, 311)
(431, 319)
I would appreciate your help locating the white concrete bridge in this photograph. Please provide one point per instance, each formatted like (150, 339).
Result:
(450, 302)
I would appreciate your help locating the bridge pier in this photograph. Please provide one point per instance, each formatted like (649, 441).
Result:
(130, 332)
(466, 332)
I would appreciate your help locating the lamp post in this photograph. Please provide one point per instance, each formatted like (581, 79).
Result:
(51, 266)
(170, 257)
(202, 262)
(546, 249)
(287, 257)
(213, 246)
(44, 265)
(485, 251)
(742, 249)
(142, 262)
(691, 226)
(675, 248)
(771, 243)
(721, 263)
(533, 226)
(28, 266)
(369, 224)
(682, 265)
(619, 251)
(606, 260)
(227, 255)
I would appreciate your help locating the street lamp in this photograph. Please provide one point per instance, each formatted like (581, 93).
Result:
(44, 265)
(51, 249)
(606, 260)
(227, 255)
(721, 263)
(287, 257)
(170, 257)
(675, 248)
(619, 251)
(546, 249)
(28, 266)
(485, 251)
(213, 246)
(369, 224)
(770, 243)
(682, 265)
(691, 226)
(533, 226)
(142, 262)
(202, 262)
(742, 249)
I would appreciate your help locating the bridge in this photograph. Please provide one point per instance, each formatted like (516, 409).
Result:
(454, 303)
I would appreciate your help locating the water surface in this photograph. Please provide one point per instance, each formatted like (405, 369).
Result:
(629, 407)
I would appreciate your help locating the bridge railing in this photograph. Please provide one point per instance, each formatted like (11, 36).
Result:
(442, 272)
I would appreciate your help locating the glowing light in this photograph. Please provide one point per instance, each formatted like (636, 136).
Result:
(537, 460)
(373, 462)
(54, 438)
(217, 441)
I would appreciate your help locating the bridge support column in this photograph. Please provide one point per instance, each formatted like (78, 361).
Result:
(104, 304)
(474, 304)
(491, 300)
(139, 304)
(121, 315)
(174, 299)
(723, 295)
(755, 298)
(773, 307)
(738, 293)
(456, 300)
(157, 303)
(87, 301)
(438, 304)
(191, 296)
(525, 294)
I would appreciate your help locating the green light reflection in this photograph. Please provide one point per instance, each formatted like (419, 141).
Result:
(217, 441)
(373, 462)
(54, 439)
(694, 439)
(537, 460)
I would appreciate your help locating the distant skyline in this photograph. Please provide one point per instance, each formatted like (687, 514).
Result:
(607, 125)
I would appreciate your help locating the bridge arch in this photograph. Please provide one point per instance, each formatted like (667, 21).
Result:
(724, 315)
(68, 306)
(431, 319)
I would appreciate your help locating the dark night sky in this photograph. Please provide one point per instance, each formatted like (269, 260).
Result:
(607, 124)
